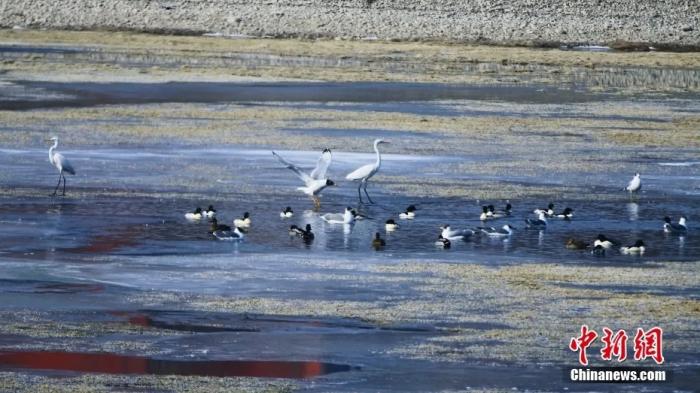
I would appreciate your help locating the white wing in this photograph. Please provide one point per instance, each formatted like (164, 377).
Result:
(333, 217)
(361, 172)
(302, 175)
(62, 163)
(322, 165)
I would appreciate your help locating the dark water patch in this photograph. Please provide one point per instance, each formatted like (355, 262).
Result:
(7, 49)
(47, 287)
(210, 322)
(109, 363)
(86, 94)
(151, 321)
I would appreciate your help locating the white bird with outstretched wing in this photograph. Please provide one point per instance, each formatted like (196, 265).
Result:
(317, 180)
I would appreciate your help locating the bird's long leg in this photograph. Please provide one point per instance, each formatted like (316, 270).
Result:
(64, 184)
(57, 185)
(358, 191)
(370, 199)
(317, 202)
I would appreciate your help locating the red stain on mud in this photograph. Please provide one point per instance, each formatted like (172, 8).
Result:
(124, 364)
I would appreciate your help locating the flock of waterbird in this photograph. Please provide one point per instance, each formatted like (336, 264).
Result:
(317, 180)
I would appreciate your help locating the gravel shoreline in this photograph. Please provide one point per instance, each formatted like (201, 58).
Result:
(664, 24)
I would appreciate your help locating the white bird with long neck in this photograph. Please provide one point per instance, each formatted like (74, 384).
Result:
(61, 163)
(365, 172)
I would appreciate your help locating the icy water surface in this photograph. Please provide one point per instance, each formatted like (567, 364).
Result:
(144, 291)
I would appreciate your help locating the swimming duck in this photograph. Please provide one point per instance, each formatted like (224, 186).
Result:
(485, 213)
(603, 242)
(287, 212)
(348, 217)
(305, 234)
(506, 230)
(539, 223)
(194, 216)
(455, 234)
(215, 226)
(242, 222)
(378, 242)
(549, 211)
(391, 225)
(409, 214)
(224, 232)
(598, 251)
(501, 213)
(575, 244)
(236, 234)
(442, 242)
(636, 248)
(670, 227)
(357, 215)
(566, 214)
(210, 212)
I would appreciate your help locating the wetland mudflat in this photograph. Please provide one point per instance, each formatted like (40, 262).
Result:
(115, 269)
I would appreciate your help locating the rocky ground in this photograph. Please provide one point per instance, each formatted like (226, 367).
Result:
(669, 24)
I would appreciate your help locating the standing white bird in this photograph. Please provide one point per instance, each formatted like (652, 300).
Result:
(314, 182)
(365, 172)
(61, 163)
(635, 184)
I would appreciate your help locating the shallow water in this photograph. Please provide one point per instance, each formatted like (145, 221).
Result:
(119, 239)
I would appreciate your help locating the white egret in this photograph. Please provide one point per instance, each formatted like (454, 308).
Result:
(61, 163)
(314, 182)
(365, 172)
(635, 184)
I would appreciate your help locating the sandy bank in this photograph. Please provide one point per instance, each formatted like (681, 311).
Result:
(665, 23)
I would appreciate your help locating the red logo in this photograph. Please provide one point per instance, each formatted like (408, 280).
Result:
(614, 345)
(647, 344)
(582, 342)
